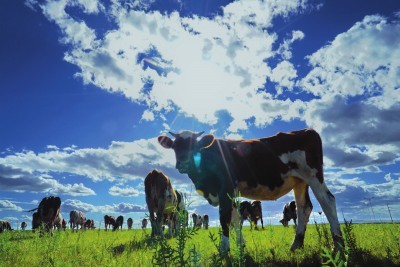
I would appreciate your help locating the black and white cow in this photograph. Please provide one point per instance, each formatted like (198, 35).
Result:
(260, 169)
(251, 211)
(77, 218)
(289, 213)
(197, 220)
(47, 213)
(144, 223)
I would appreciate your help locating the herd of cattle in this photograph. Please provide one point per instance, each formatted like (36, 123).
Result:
(259, 169)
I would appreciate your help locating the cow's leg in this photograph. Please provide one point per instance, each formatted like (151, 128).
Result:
(262, 222)
(225, 213)
(304, 208)
(235, 222)
(328, 205)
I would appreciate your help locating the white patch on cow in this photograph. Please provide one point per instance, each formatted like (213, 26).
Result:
(214, 199)
(304, 172)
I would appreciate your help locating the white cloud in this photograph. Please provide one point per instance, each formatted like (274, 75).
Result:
(9, 206)
(218, 61)
(126, 192)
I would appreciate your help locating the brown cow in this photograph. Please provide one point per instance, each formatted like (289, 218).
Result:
(5, 226)
(162, 200)
(144, 223)
(252, 212)
(109, 221)
(260, 169)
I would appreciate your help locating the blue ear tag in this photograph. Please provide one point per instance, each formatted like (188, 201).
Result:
(197, 159)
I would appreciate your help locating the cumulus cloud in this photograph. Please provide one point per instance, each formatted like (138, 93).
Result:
(126, 192)
(9, 206)
(74, 204)
(219, 60)
(13, 178)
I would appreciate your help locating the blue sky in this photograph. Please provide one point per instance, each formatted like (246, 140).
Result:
(81, 106)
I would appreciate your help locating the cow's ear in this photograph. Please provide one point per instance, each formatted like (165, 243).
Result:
(165, 141)
(206, 141)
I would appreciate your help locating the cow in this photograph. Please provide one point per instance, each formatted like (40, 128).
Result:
(63, 224)
(289, 212)
(144, 223)
(5, 226)
(47, 213)
(89, 224)
(109, 221)
(206, 221)
(76, 218)
(259, 169)
(197, 220)
(252, 212)
(129, 222)
(183, 214)
(119, 222)
(23, 226)
(161, 202)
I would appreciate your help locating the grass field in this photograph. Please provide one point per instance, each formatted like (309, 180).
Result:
(368, 245)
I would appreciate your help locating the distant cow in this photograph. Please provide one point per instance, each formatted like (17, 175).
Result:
(161, 201)
(129, 222)
(289, 213)
(252, 212)
(197, 220)
(206, 221)
(119, 222)
(260, 169)
(144, 223)
(23, 226)
(89, 224)
(76, 218)
(5, 226)
(47, 212)
(109, 221)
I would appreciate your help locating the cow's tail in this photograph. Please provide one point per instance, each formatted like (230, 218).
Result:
(31, 210)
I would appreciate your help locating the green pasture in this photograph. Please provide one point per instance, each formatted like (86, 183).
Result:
(373, 245)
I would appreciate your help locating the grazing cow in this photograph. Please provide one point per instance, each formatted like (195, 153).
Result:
(119, 222)
(252, 212)
(260, 169)
(89, 224)
(206, 221)
(109, 221)
(144, 223)
(289, 212)
(23, 226)
(197, 220)
(161, 199)
(129, 222)
(76, 218)
(47, 213)
(63, 224)
(5, 226)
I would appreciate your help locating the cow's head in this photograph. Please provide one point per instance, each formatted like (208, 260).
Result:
(186, 148)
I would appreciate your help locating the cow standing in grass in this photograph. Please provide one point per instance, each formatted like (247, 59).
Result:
(47, 213)
(252, 212)
(5, 226)
(289, 213)
(23, 226)
(161, 201)
(144, 223)
(206, 221)
(119, 222)
(109, 221)
(259, 169)
(76, 218)
(129, 222)
(197, 220)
